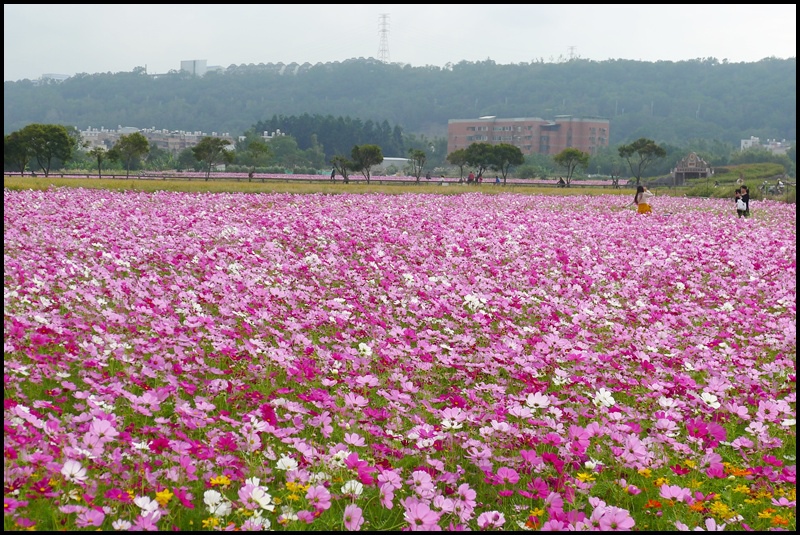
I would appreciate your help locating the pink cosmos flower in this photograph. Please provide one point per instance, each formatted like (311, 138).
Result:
(90, 517)
(104, 430)
(10, 505)
(491, 519)
(616, 519)
(420, 517)
(319, 497)
(353, 517)
(674, 492)
(507, 476)
(73, 471)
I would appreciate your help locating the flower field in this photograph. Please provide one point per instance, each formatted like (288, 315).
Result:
(387, 362)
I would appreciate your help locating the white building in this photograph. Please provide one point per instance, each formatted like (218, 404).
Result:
(772, 145)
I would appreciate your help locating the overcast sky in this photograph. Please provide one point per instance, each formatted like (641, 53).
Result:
(87, 38)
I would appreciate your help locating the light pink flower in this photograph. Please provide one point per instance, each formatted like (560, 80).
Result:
(353, 517)
(420, 517)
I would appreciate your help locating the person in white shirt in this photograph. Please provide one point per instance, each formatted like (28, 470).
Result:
(642, 200)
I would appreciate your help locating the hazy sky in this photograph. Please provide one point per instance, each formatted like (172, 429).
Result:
(87, 38)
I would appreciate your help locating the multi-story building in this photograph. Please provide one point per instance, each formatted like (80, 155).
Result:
(772, 145)
(531, 134)
(173, 141)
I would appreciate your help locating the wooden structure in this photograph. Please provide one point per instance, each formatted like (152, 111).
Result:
(691, 167)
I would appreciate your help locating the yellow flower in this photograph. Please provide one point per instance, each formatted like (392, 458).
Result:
(720, 510)
(764, 494)
(750, 501)
(277, 500)
(766, 513)
(537, 512)
(131, 495)
(744, 489)
(293, 497)
(695, 484)
(690, 463)
(645, 472)
(296, 487)
(222, 481)
(210, 522)
(164, 497)
(661, 481)
(583, 476)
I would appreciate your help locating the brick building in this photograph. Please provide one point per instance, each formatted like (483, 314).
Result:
(531, 134)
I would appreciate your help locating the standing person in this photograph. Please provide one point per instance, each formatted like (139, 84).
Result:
(745, 196)
(428, 175)
(740, 205)
(333, 174)
(642, 200)
(496, 180)
(470, 177)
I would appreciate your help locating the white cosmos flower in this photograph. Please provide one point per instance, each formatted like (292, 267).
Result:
(710, 400)
(262, 498)
(667, 403)
(211, 498)
(537, 401)
(146, 504)
(789, 422)
(451, 424)
(222, 509)
(353, 487)
(603, 398)
(73, 471)
(286, 463)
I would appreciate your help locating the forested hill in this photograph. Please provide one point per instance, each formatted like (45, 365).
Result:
(671, 102)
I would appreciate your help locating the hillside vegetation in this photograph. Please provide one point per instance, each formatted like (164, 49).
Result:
(671, 102)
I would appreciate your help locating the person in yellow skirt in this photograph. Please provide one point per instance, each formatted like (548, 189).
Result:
(642, 200)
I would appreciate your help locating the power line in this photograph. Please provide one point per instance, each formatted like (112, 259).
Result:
(383, 49)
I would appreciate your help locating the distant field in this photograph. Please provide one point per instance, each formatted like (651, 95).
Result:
(317, 184)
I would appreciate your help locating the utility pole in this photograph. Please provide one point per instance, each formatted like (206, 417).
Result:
(383, 50)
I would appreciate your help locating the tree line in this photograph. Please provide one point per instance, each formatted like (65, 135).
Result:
(47, 147)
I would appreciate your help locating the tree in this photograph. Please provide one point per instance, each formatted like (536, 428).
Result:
(16, 152)
(343, 166)
(257, 150)
(482, 156)
(640, 154)
(129, 148)
(48, 142)
(99, 154)
(505, 156)
(186, 160)
(212, 151)
(364, 157)
(570, 159)
(417, 158)
(458, 158)
(158, 159)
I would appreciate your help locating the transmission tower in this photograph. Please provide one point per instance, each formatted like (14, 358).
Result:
(383, 50)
